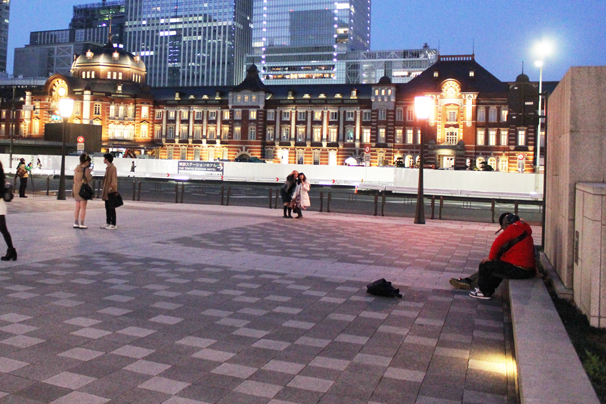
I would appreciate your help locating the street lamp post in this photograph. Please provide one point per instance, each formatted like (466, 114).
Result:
(422, 108)
(66, 107)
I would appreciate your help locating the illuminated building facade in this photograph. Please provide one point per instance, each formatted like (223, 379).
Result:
(475, 117)
(190, 43)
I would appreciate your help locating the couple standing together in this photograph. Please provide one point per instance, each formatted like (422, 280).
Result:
(83, 175)
(295, 194)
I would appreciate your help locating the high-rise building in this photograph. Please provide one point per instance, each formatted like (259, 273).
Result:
(338, 26)
(5, 10)
(50, 52)
(190, 43)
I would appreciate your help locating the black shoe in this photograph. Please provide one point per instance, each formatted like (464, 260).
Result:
(461, 283)
(22, 196)
(11, 254)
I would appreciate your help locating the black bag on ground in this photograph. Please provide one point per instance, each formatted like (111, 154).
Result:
(114, 200)
(382, 288)
(86, 192)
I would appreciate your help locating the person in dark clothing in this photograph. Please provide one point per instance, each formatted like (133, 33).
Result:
(22, 173)
(11, 253)
(511, 257)
(286, 192)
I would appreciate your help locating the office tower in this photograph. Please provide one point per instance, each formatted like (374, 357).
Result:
(190, 43)
(5, 10)
(50, 52)
(329, 24)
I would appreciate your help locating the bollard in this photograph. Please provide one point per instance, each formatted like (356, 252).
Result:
(441, 206)
(493, 207)
(228, 193)
(276, 200)
(134, 190)
(328, 199)
(515, 208)
(270, 197)
(222, 193)
(376, 202)
(321, 200)
(433, 205)
(176, 192)
(99, 190)
(383, 204)
(182, 191)
(48, 185)
(139, 193)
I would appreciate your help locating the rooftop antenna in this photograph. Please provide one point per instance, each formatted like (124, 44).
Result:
(473, 46)
(522, 67)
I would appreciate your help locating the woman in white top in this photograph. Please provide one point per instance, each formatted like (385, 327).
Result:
(11, 253)
(302, 195)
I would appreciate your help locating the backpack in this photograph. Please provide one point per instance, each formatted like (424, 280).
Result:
(382, 288)
(20, 171)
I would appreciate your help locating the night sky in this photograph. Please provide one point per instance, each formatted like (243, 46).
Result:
(504, 32)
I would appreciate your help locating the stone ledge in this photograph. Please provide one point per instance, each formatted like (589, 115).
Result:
(549, 370)
(556, 282)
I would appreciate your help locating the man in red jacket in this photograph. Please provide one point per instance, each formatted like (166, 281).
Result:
(511, 257)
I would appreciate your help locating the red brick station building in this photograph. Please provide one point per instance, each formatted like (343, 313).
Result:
(475, 117)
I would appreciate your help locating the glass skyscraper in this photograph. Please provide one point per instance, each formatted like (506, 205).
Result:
(5, 10)
(339, 25)
(190, 42)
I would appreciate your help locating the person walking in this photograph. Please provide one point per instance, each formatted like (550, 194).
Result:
(286, 192)
(82, 175)
(110, 185)
(11, 253)
(301, 196)
(22, 173)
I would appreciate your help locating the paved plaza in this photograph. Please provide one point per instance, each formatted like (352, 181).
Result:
(189, 304)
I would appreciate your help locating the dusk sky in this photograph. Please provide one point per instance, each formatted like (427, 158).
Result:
(504, 32)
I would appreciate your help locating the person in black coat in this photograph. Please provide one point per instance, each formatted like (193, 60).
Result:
(287, 191)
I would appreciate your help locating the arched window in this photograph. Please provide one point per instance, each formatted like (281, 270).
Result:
(503, 165)
(493, 163)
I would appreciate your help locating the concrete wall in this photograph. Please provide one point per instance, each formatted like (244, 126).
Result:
(589, 252)
(576, 146)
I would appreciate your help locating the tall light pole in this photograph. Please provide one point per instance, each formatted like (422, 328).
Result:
(66, 107)
(422, 109)
(542, 49)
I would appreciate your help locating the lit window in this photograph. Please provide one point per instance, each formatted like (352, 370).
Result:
(332, 135)
(452, 115)
(252, 114)
(226, 114)
(224, 132)
(212, 132)
(285, 134)
(237, 132)
(252, 133)
(300, 134)
(492, 138)
(366, 135)
(480, 137)
(171, 114)
(399, 135)
(521, 137)
(409, 136)
(381, 135)
(197, 133)
(504, 137)
(184, 114)
(504, 112)
(144, 112)
(349, 134)
(238, 114)
(317, 115)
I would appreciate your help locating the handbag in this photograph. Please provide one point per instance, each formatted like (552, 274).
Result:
(114, 200)
(8, 192)
(86, 192)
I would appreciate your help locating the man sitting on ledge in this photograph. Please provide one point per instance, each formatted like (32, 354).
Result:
(511, 257)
